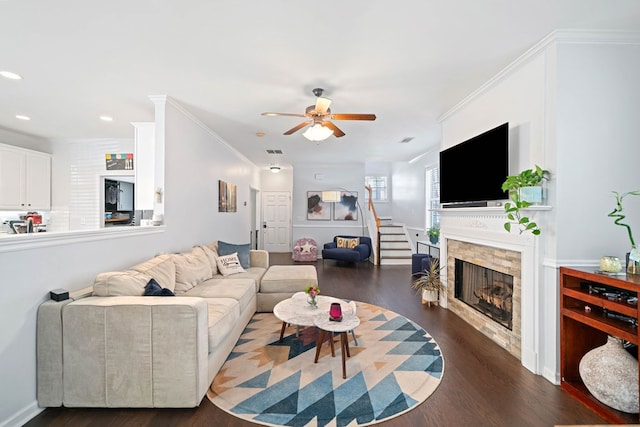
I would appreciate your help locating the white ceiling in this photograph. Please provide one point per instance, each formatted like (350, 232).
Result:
(227, 61)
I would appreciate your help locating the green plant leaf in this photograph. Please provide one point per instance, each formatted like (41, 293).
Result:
(524, 220)
(507, 226)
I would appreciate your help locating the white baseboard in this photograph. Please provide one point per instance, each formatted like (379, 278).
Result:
(20, 418)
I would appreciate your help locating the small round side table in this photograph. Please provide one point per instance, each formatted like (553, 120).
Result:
(349, 322)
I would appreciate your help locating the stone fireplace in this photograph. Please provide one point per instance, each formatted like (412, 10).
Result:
(486, 291)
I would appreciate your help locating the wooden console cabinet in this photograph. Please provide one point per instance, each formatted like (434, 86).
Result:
(582, 329)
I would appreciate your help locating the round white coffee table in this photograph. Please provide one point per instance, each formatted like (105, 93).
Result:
(296, 311)
(324, 324)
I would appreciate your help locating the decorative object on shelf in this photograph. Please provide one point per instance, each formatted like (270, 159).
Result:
(428, 282)
(434, 234)
(610, 264)
(525, 189)
(610, 373)
(633, 257)
(312, 293)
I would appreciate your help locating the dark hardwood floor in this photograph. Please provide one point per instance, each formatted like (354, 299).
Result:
(482, 385)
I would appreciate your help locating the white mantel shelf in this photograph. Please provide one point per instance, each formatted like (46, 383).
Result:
(487, 210)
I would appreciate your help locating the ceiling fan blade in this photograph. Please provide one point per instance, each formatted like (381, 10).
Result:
(353, 116)
(297, 128)
(283, 114)
(322, 105)
(336, 130)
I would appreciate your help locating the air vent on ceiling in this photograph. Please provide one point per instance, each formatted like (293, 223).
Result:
(274, 151)
(407, 139)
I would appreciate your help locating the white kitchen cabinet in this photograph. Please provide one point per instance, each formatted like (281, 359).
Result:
(25, 179)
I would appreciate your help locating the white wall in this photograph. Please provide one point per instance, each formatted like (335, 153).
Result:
(77, 187)
(598, 148)
(311, 177)
(409, 203)
(195, 159)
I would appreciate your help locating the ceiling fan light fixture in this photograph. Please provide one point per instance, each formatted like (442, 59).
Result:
(317, 132)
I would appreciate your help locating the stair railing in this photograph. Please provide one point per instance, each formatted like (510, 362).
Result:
(371, 208)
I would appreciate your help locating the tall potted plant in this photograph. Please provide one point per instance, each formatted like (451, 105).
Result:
(524, 190)
(633, 257)
(428, 283)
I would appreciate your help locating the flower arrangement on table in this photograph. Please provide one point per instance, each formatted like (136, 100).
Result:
(312, 292)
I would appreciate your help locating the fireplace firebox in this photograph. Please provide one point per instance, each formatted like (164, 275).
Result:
(485, 290)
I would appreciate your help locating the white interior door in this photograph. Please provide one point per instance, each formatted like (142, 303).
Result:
(276, 226)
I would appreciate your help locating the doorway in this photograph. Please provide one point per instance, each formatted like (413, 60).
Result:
(276, 226)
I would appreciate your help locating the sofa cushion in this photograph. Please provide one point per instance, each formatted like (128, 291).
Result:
(119, 283)
(212, 257)
(253, 273)
(242, 291)
(225, 248)
(229, 264)
(161, 268)
(153, 289)
(191, 269)
(224, 313)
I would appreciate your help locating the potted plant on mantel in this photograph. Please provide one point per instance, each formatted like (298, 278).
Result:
(428, 282)
(524, 189)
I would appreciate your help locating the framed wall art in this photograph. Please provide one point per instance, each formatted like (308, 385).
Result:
(227, 197)
(316, 208)
(347, 208)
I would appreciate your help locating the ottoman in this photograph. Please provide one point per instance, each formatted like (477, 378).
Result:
(416, 262)
(281, 282)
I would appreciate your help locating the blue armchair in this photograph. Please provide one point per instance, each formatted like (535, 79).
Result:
(345, 248)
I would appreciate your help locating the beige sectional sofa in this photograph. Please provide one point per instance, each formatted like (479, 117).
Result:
(110, 346)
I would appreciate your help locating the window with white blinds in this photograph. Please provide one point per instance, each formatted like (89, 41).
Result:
(432, 197)
(378, 186)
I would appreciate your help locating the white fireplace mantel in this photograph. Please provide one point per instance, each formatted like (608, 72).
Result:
(485, 226)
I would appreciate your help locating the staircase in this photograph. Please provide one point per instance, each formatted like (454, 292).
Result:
(395, 246)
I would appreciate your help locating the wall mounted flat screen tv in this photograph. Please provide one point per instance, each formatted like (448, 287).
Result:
(472, 172)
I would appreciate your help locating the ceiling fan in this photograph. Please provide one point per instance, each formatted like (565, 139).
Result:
(318, 115)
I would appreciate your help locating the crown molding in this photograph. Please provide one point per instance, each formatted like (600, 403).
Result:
(557, 37)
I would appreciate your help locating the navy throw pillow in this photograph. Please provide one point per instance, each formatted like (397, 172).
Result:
(153, 289)
(225, 248)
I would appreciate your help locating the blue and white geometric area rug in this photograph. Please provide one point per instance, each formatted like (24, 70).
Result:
(395, 366)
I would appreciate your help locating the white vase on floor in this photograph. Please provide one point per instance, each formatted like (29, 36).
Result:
(610, 374)
(429, 297)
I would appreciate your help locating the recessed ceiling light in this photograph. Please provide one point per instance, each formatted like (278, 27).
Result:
(21, 117)
(10, 75)
(106, 118)
(259, 134)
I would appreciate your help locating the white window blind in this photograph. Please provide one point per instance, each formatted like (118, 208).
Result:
(432, 197)
(378, 186)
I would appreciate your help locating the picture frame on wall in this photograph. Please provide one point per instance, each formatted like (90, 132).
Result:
(317, 210)
(227, 196)
(347, 208)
